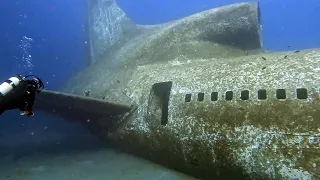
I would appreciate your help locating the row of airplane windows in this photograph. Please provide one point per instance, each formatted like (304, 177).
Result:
(301, 93)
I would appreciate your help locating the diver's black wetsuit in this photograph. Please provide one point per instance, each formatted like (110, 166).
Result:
(21, 98)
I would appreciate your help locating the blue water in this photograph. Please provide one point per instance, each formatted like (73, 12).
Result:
(52, 33)
(45, 38)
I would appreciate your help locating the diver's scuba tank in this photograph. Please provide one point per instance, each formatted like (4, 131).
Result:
(10, 84)
(16, 91)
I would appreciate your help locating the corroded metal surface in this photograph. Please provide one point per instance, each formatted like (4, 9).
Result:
(225, 31)
(108, 25)
(246, 116)
(261, 139)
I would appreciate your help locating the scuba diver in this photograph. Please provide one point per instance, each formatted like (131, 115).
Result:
(19, 93)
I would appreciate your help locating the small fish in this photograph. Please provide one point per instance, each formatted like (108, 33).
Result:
(263, 58)
(263, 68)
(296, 51)
(289, 46)
(118, 81)
(285, 56)
(87, 93)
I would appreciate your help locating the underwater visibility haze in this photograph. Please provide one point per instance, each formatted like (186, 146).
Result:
(163, 89)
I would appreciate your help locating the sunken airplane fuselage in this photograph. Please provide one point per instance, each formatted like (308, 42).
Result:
(199, 101)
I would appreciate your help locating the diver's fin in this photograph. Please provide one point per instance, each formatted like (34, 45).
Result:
(78, 108)
(26, 113)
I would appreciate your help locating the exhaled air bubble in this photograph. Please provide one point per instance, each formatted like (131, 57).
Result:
(26, 58)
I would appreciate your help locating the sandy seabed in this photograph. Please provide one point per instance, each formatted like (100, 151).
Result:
(53, 155)
(90, 165)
